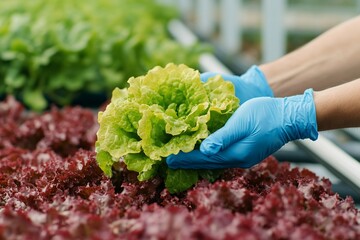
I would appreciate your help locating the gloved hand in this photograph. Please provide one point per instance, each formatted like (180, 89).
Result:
(257, 129)
(249, 85)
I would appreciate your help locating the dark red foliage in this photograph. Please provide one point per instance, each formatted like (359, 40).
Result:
(63, 131)
(52, 188)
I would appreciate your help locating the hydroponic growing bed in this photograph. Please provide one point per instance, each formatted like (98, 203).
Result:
(52, 188)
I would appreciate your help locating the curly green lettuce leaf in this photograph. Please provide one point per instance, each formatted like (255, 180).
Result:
(173, 86)
(146, 167)
(118, 132)
(163, 135)
(223, 101)
(105, 162)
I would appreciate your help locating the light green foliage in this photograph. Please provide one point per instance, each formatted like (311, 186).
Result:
(166, 111)
(52, 51)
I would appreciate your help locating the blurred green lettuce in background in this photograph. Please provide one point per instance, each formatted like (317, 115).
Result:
(57, 51)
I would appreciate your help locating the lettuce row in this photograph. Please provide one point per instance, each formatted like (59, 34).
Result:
(65, 51)
(166, 111)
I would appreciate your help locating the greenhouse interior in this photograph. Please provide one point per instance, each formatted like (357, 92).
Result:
(179, 119)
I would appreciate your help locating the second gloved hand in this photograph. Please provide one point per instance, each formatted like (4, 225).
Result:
(257, 129)
(247, 86)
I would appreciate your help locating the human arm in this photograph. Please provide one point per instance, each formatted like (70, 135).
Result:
(338, 107)
(330, 59)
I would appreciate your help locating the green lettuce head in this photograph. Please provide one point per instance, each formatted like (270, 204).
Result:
(166, 111)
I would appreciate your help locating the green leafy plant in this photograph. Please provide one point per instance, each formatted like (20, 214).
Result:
(55, 51)
(161, 113)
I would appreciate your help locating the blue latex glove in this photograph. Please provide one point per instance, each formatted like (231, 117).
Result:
(249, 85)
(257, 129)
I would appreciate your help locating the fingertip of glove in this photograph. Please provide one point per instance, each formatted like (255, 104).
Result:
(171, 161)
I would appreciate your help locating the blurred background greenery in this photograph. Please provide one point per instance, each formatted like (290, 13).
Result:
(75, 52)
(64, 52)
